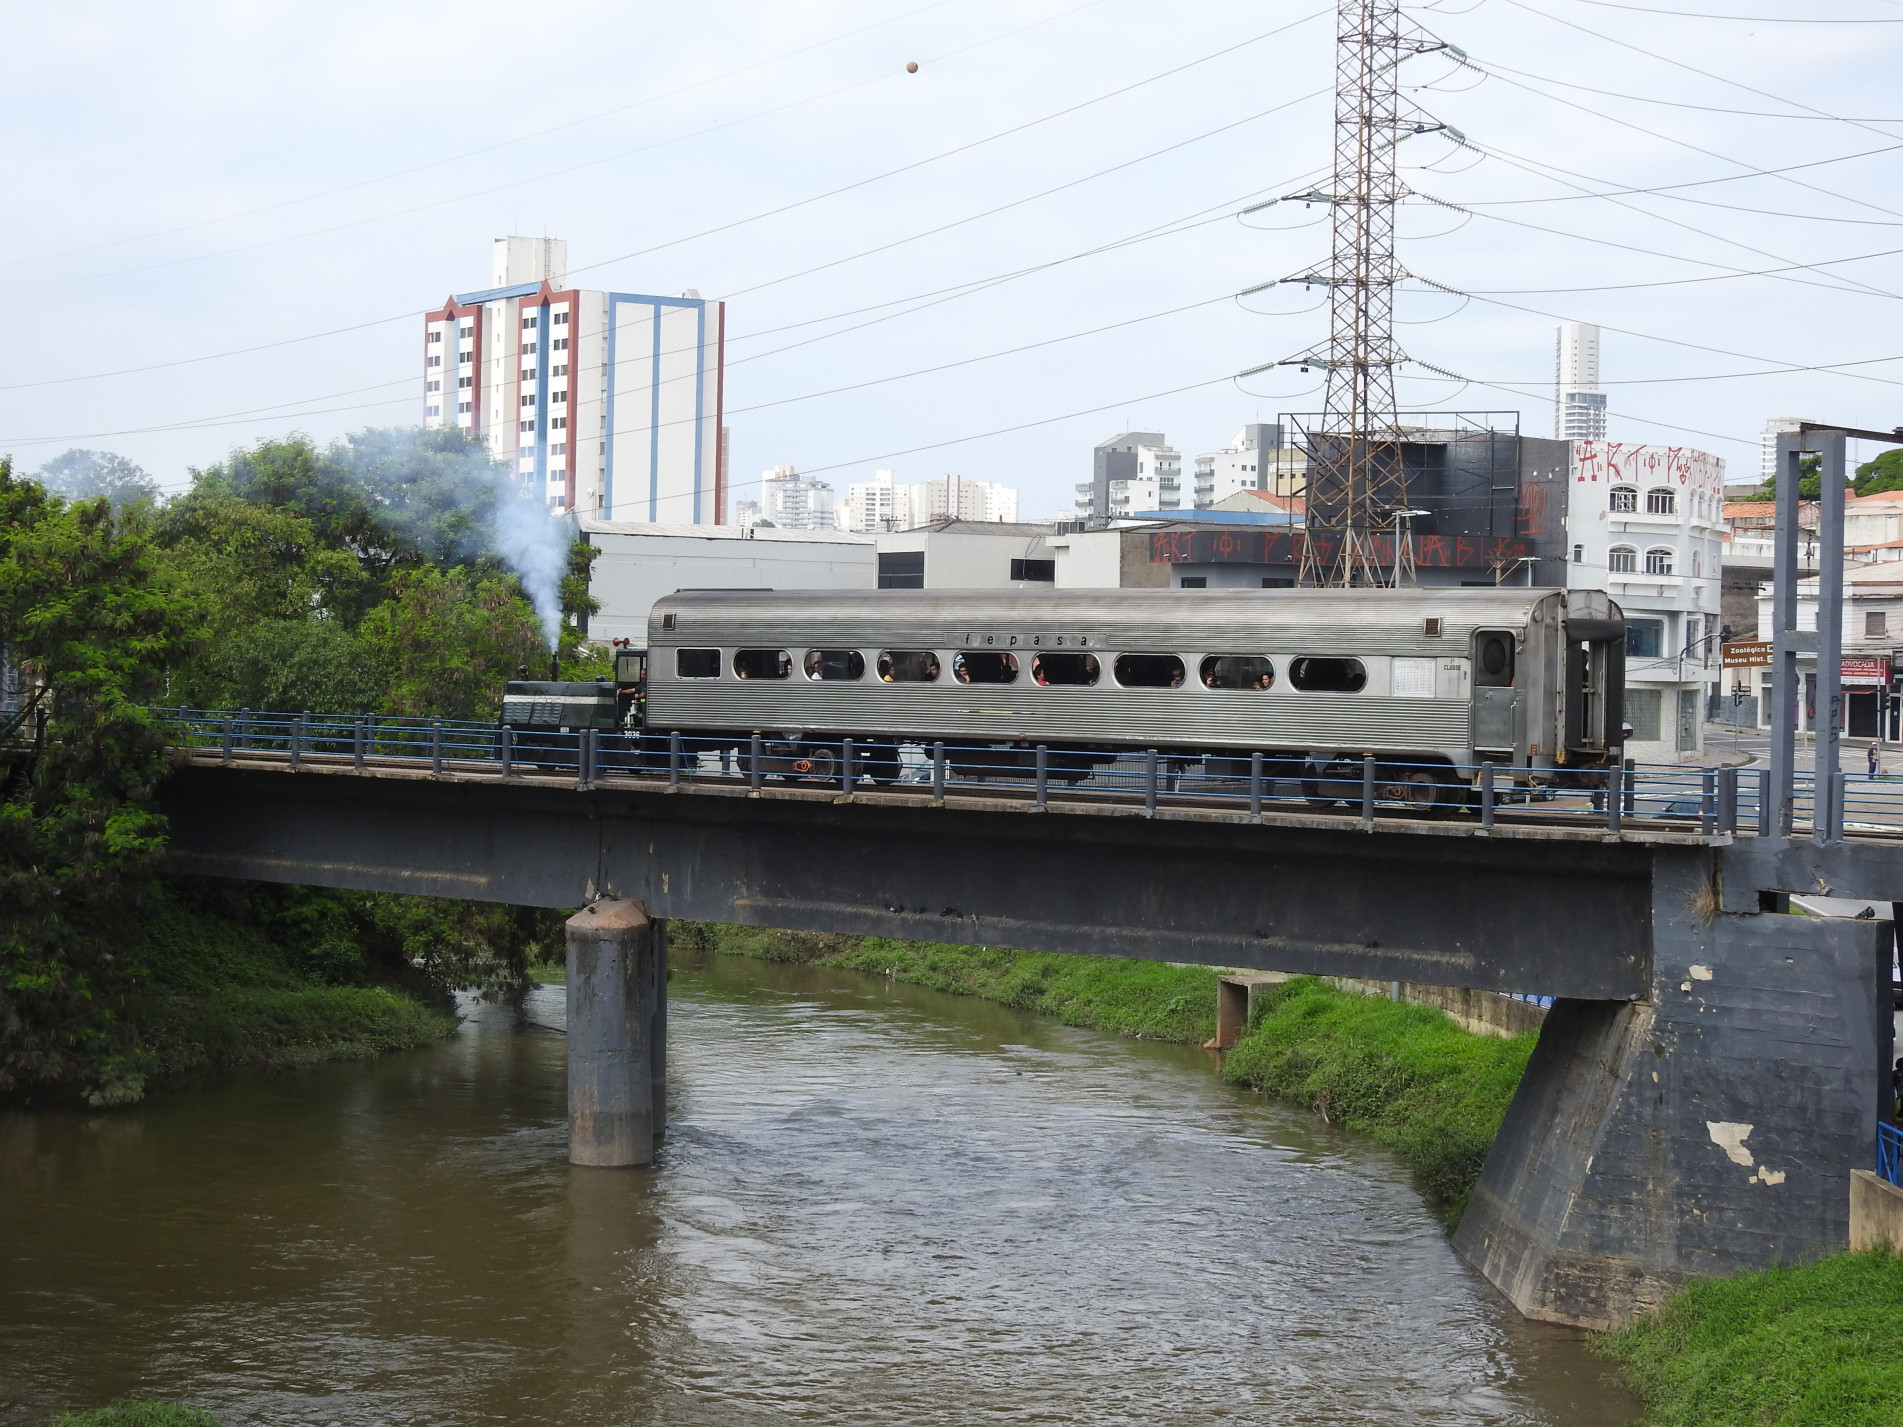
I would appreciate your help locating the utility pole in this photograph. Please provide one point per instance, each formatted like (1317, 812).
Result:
(1356, 476)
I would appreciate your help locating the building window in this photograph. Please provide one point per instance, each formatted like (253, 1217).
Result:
(1622, 560)
(1045, 570)
(434, 386)
(436, 336)
(902, 569)
(528, 374)
(466, 330)
(528, 323)
(559, 320)
(1645, 638)
(1579, 554)
(462, 382)
(528, 425)
(560, 344)
(529, 349)
(1642, 712)
(432, 411)
(436, 360)
(1148, 671)
(558, 396)
(1193, 582)
(463, 408)
(1659, 560)
(465, 356)
(560, 448)
(1661, 500)
(525, 451)
(559, 423)
(1328, 676)
(1625, 499)
(529, 400)
(1875, 624)
(560, 371)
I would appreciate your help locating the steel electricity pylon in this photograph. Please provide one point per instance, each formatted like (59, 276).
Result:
(1356, 478)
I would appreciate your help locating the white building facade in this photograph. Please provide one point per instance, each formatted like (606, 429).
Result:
(1646, 524)
(790, 501)
(608, 404)
(1579, 403)
(1253, 460)
(1132, 471)
(882, 504)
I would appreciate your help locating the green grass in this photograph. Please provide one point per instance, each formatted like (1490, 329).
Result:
(138, 1414)
(1148, 1000)
(255, 1025)
(1817, 1346)
(1405, 1074)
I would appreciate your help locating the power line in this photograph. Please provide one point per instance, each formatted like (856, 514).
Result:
(1747, 19)
(1491, 66)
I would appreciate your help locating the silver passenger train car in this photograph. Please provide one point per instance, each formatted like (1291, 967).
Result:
(1430, 681)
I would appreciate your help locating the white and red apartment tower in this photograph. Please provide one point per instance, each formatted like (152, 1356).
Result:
(609, 404)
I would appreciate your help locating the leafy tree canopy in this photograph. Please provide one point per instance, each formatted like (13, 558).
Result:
(95, 475)
(1883, 474)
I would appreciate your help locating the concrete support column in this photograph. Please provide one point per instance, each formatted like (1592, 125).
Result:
(616, 1034)
(1707, 1129)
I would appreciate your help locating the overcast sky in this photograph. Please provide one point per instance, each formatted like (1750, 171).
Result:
(187, 182)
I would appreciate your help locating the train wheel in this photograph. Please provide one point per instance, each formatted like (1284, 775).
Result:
(882, 763)
(817, 764)
(1421, 790)
(1312, 790)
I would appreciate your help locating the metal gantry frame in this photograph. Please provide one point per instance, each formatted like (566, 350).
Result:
(1826, 641)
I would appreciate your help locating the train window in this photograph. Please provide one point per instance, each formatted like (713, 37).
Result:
(1149, 671)
(908, 666)
(1493, 659)
(1327, 676)
(982, 666)
(1064, 667)
(762, 664)
(697, 663)
(1237, 671)
(827, 665)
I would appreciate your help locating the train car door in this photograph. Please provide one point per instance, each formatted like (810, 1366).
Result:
(1595, 685)
(631, 689)
(1496, 704)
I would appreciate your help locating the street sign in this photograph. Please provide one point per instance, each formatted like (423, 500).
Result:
(1747, 653)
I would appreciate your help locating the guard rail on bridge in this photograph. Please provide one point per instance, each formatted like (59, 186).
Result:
(1674, 800)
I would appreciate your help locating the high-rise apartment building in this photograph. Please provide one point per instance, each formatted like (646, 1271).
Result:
(1767, 457)
(605, 403)
(790, 501)
(1254, 460)
(883, 505)
(1579, 406)
(1132, 471)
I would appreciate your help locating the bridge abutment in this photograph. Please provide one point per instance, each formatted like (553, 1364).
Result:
(1709, 1129)
(617, 1034)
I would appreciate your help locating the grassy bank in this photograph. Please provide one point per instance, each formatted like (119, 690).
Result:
(1817, 1346)
(1149, 1000)
(1405, 1074)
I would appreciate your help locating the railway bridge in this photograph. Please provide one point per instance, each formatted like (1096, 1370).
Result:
(1710, 1072)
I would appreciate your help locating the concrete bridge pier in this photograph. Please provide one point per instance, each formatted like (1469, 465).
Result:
(1707, 1129)
(617, 1034)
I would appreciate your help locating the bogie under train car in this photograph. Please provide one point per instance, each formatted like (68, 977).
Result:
(1431, 682)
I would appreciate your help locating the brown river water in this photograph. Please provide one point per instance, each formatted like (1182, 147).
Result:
(876, 1205)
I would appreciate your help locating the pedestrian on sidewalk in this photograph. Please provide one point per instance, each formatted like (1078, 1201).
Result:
(1876, 763)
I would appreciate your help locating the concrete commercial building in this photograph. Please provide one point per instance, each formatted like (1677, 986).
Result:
(1132, 471)
(1872, 652)
(1257, 458)
(640, 562)
(1646, 525)
(1767, 443)
(1579, 404)
(608, 404)
(967, 555)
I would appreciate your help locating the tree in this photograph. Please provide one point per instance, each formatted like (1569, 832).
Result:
(450, 639)
(98, 475)
(1885, 473)
(1810, 480)
(314, 665)
(87, 609)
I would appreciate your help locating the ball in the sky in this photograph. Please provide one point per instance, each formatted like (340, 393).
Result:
(911, 66)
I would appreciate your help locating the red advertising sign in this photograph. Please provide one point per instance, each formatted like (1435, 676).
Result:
(1866, 673)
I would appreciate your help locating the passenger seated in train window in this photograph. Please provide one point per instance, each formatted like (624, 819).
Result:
(1064, 668)
(1237, 671)
(983, 666)
(908, 666)
(762, 664)
(835, 664)
(1327, 676)
(1149, 671)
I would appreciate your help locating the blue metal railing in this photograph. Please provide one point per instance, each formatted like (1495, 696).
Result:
(1889, 1153)
(1711, 801)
